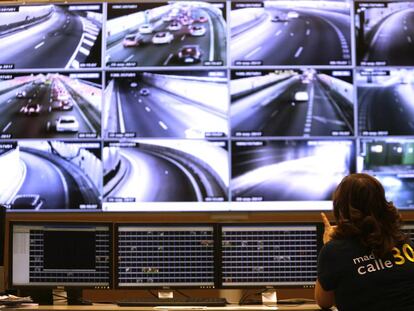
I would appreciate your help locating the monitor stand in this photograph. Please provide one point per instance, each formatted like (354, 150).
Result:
(269, 297)
(165, 294)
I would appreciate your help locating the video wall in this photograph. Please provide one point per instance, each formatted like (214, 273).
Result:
(204, 105)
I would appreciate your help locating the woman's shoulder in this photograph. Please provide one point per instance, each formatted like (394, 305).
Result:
(340, 246)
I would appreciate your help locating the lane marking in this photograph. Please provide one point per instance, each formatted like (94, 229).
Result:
(409, 39)
(182, 38)
(292, 34)
(7, 126)
(274, 113)
(298, 52)
(278, 33)
(88, 35)
(168, 59)
(84, 51)
(148, 109)
(254, 51)
(308, 31)
(87, 42)
(162, 124)
(129, 58)
(39, 45)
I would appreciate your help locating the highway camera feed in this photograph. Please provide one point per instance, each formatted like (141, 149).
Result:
(305, 102)
(284, 32)
(182, 33)
(289, 170)
(50, 175)
(180, 104)
(50, 105)
(164, 171)
(50, 36)
(391, 160)
(385, 101)
(384, 33)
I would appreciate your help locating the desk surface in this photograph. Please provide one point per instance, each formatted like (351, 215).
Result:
(110, 307)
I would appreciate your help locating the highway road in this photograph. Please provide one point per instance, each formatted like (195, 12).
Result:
(316, 37)
(163, 114)
(290, 172)
(18, 124)
(212, 44)
(61, 41)
(164, 176)
(280, 114)
(386, 108)
(393, 40)
(56, 186)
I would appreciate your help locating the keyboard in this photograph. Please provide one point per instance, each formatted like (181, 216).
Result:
(178, 301)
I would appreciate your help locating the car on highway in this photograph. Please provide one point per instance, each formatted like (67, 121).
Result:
(197, 30)
(144, 92)
(185, 20)
(189, 54)
(132, 40)
(26, 201)
(174, 26)
(202, 19)
(145, 29)
(21, 94)
(301, 96)
(278, 18)
(67, 124)
(31, 109)
(162, 37)
(292, 15)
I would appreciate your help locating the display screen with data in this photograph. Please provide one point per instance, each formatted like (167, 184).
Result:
(69, 254)
(165, 256)
(216, 105)
(269, 255)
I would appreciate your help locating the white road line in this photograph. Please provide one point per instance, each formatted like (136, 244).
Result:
(292, 34)
(87, 42)
(168, 59)
(88, 35)
(298, 52)
(162, 124)
(39, 45)
(212, 47)
(84, 51)
(308, 31)
(182, 38)
(409, 39)
(121, 120)
(7, 126)
(148, 109)
(274, 113)
(253, 52)
(405, 28)
(278, 33)
(129, 58)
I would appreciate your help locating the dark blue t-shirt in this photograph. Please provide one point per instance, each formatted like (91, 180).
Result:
(362, 282)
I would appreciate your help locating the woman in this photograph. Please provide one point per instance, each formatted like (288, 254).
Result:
(367, 263)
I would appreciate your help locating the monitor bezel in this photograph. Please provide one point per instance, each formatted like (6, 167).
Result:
(61, 223)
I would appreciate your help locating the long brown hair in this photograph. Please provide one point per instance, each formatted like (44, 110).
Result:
(362, 211)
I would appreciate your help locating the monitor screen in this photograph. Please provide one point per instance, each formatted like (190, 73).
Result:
(259, 255)
(391, 161)
(201, 105)
(47, 175)
(179, 33)
(162, 256)
(69, 254)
